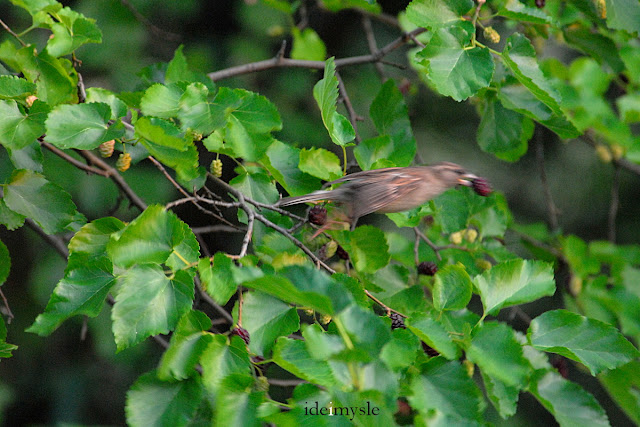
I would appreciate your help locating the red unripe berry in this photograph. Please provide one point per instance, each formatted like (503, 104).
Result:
(242, 333)
(481, 186)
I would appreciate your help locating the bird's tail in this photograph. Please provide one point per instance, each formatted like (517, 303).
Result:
(316, 196)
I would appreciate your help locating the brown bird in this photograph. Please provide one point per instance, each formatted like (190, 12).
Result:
(389, 189)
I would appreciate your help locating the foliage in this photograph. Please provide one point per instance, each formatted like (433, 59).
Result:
(304, 312)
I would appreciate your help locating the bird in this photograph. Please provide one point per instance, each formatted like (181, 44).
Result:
(388, 190)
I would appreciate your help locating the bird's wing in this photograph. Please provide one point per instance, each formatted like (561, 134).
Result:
(380, 190)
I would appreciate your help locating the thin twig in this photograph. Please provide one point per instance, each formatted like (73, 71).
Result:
(55, 241)
(113, 174)
(552, 210)
(615, 203)
(10, 315)
(371, 42)
(82, 92)
(156, 31)
(247, 236)
(353, 117)
(205, 296)
(429, 243)
(217, 228)
(77, 163)
(10, 31)
(193, 199)
(277, 62)
(590, 139)
(416, 249)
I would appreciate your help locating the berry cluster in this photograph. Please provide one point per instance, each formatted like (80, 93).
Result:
(318, 215)
(481, 186)
(427, 268)
(396, 321)
(242, 333)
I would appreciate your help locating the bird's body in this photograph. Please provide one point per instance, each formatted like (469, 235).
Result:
(389, 189)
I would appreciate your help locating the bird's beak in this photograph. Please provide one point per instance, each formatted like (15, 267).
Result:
(467, 179)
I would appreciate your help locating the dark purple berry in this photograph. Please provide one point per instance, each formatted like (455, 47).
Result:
(540, 3)
(561, 366)
(427, 268)
(429, 351)
(342, 254)
(396, 321)
(481, 186)
(242, 333)
(318, 215)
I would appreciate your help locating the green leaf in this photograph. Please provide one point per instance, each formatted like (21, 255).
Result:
(504, 133)
(118, 107)
(569, 403)
(518, 98)
(152, 237)
(188, 342)
(223, 359)
(367, 331)
(17, 130)
(452, 211)
(283, 289)
(390, 116)
(30, 194)
(514, 282)
(434, 335)
(282, 162)
(311, 281)
(178, 71)
(597, 345)
(167, 144)
(517, 11)
(5, 263)
(622, 385)
(217, 279)
(320, 163)
(70, 31)
(503, 397)
(370, 152)
(14, 87)
(293, 356)
(153, 402)
(12, 220)
(162, 101)
(629, 107)
(582, 263)
(598, 46)
(454, 68)
(81, 126)
(451, 288)
(367, 247)
(325, 93)
(437, 13)
(623, 15)
(496, 351)
(520, 57)
(307, 45)
(82, 291)
(149, 303)
(266, 319)
(401, 351)
(196, 112)
(55, 83)
(445, 386)
(237, 406)
(256, 186)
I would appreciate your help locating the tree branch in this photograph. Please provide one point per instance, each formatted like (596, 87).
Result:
(278, 61)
